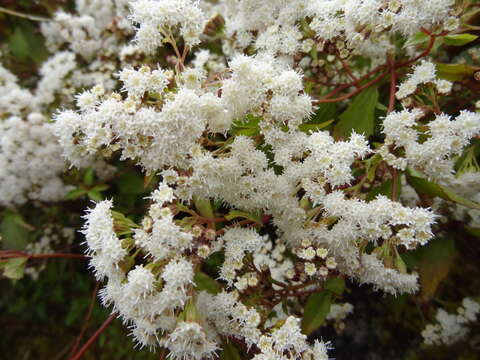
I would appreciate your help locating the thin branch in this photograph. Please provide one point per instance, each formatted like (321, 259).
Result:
(85, 322)
(22, 15)
(19, 254)
(393, 85)
(353, 93)
(94, 337)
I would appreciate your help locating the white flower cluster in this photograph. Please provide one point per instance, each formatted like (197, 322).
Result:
(29, 162)
(446, 138)
(110, 121)
(423, 73)
(90, 32)
(286, 342)
(146, 296)
(451, 328)
(226, 127)
(274, 26)
(13, 99)
(157, 19)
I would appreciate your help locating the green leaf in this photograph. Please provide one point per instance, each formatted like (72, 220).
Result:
(308, 128)
(95, 195)
(101, 187)
(75, 194)
(371, 166)
(206, 283)
(14, 268)
(25, 42)
(130, 183)
(335, 285)
(474, 231)
(459, 39)
(19, 44)
(316, 310)
(204, 207)
(386, 189)
(89, 177)
(423, 186)
(437, 260)
(455, 72)
(322, 118)
(359, 116)
(15, 231)
(233, 214)
(324, 113)
(416, 39)
(147, 180)
(249, 126)
(229, 352)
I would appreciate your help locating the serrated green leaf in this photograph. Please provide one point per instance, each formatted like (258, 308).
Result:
(14, 268)
(423, 186)
(359, 116)
(459, 39)
(316, 310)
(335, 285)
(455, 72)
(206, 283)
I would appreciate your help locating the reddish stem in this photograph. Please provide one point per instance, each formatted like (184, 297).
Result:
(327, 98)
(19, 254)
(85, 322)
(94, 337)
(393, 85)
(353, 93)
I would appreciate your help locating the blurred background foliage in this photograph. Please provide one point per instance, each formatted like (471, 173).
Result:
(42, 319)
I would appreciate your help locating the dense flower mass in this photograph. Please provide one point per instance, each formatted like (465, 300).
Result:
(288, 146)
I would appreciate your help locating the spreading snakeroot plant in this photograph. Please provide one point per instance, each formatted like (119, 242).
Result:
(290, 148)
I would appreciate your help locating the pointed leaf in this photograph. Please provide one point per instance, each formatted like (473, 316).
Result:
(423, 186)
(316, 310)
(335, 285)
(437, 260)
(206, 283)
(233, 214)
(14, 268)
(14, 231)
(359, 116)
(455, 72)
(229, 352)
(204, 207)
(459, 39)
